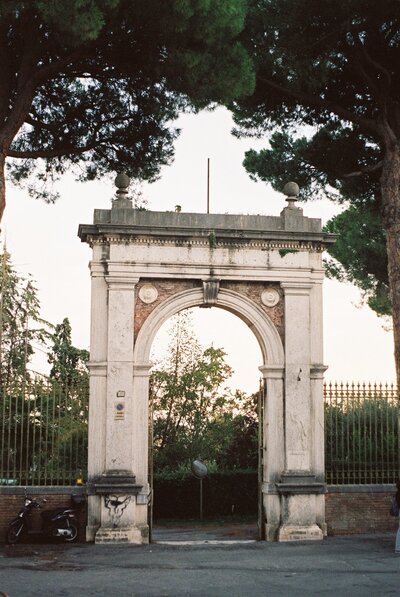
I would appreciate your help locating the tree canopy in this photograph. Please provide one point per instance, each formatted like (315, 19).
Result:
(194, 412)
(20, 323)
(328, 89)
(359, 254)
(97, 83)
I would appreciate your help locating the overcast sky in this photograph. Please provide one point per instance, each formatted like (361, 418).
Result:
(43, 241)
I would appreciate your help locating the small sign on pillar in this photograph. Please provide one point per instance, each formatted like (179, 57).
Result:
(119, 410)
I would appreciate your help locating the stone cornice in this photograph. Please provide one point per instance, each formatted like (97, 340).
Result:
(317, 371)
(272, 371)
(97, 368)
(296, 288)
(121, 282)
(213, 230)
(312, 242)
(142, 369)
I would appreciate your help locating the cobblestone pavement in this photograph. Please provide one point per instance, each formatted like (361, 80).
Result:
(356, 566)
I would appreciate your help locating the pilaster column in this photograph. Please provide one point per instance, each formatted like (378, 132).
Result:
(318, 448)
(140, 421)
(121, 304)
(298, 488)
(97, 385)
(97, 369)
(140, 441)
(273, 448)
(297, 376)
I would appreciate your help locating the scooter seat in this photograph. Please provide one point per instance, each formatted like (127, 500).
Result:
(48, 514)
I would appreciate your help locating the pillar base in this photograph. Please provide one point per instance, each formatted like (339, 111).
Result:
(292, 532)
(271, 532)
(135, 535)
(91, 531)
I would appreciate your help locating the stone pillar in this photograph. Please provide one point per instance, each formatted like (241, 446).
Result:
(97, 385)
(273, 450)
(140, 444)
(318, 449)
(298, 486)
(317, 390)
(117, 482)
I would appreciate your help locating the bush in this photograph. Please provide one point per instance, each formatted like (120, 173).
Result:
(225, 493)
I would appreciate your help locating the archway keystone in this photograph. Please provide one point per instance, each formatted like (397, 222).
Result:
(267, 270)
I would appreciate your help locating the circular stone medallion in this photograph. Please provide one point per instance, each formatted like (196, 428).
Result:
(270, 297)
(148, 293)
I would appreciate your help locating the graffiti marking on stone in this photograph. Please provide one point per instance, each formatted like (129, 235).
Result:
(116, 504)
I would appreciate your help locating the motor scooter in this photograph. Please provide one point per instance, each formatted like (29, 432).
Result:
(60, 523)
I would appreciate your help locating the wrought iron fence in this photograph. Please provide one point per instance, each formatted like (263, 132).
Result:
(43, 432)
(361, 433)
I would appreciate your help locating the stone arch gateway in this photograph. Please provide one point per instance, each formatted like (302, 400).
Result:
(147, 266)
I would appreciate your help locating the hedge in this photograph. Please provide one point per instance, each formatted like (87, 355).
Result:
(224, 493)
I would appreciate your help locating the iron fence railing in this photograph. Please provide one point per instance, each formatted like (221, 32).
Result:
(43, 432)
(361, 433)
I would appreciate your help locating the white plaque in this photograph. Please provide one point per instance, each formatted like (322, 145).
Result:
(270, 297)
(148, 293)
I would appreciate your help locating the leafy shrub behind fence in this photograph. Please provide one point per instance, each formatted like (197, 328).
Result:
(228, 493)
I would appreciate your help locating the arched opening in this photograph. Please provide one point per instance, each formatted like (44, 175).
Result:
(243, 507)
(199, 412)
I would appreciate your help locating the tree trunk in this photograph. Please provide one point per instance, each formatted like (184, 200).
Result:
(2, 185)
(390, 188)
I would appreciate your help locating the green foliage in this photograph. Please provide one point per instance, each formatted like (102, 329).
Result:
(68, 363)
(43, 432)
(20, 322)
(328, 83)
(43, 423)
(95, 84)
(362, 441)
(225, 493)
(194, 413)
(360, 254)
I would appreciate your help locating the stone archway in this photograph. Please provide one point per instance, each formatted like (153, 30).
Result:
(148, 266)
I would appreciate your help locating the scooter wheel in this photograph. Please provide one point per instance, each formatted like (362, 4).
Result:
(15, 533)
(74, 532)
(74, 528)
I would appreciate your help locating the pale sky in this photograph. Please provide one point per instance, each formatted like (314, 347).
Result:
(43, 241)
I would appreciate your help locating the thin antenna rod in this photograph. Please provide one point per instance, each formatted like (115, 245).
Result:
(208, 185)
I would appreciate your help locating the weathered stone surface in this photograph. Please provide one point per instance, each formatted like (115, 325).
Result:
(300, 533)
(146, 267)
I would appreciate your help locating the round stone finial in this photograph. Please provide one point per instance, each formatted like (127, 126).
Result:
(122, 182)
(291, 189)
(122, 201)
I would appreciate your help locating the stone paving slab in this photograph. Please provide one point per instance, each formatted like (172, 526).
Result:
(362, 565)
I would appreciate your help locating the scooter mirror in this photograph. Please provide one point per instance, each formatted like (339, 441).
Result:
(44, 500)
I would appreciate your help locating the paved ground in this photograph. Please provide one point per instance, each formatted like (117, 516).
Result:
(206, 532)
(361, 565)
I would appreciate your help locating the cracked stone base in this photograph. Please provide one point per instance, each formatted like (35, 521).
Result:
(293, 532)
(134, 535)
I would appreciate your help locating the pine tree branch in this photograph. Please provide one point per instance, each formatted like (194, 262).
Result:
(366, 170)
(366, 124)
(63, 150)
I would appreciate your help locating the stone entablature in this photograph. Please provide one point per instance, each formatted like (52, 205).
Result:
(147, 266)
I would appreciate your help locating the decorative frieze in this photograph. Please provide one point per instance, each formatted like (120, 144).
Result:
(315, 246)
